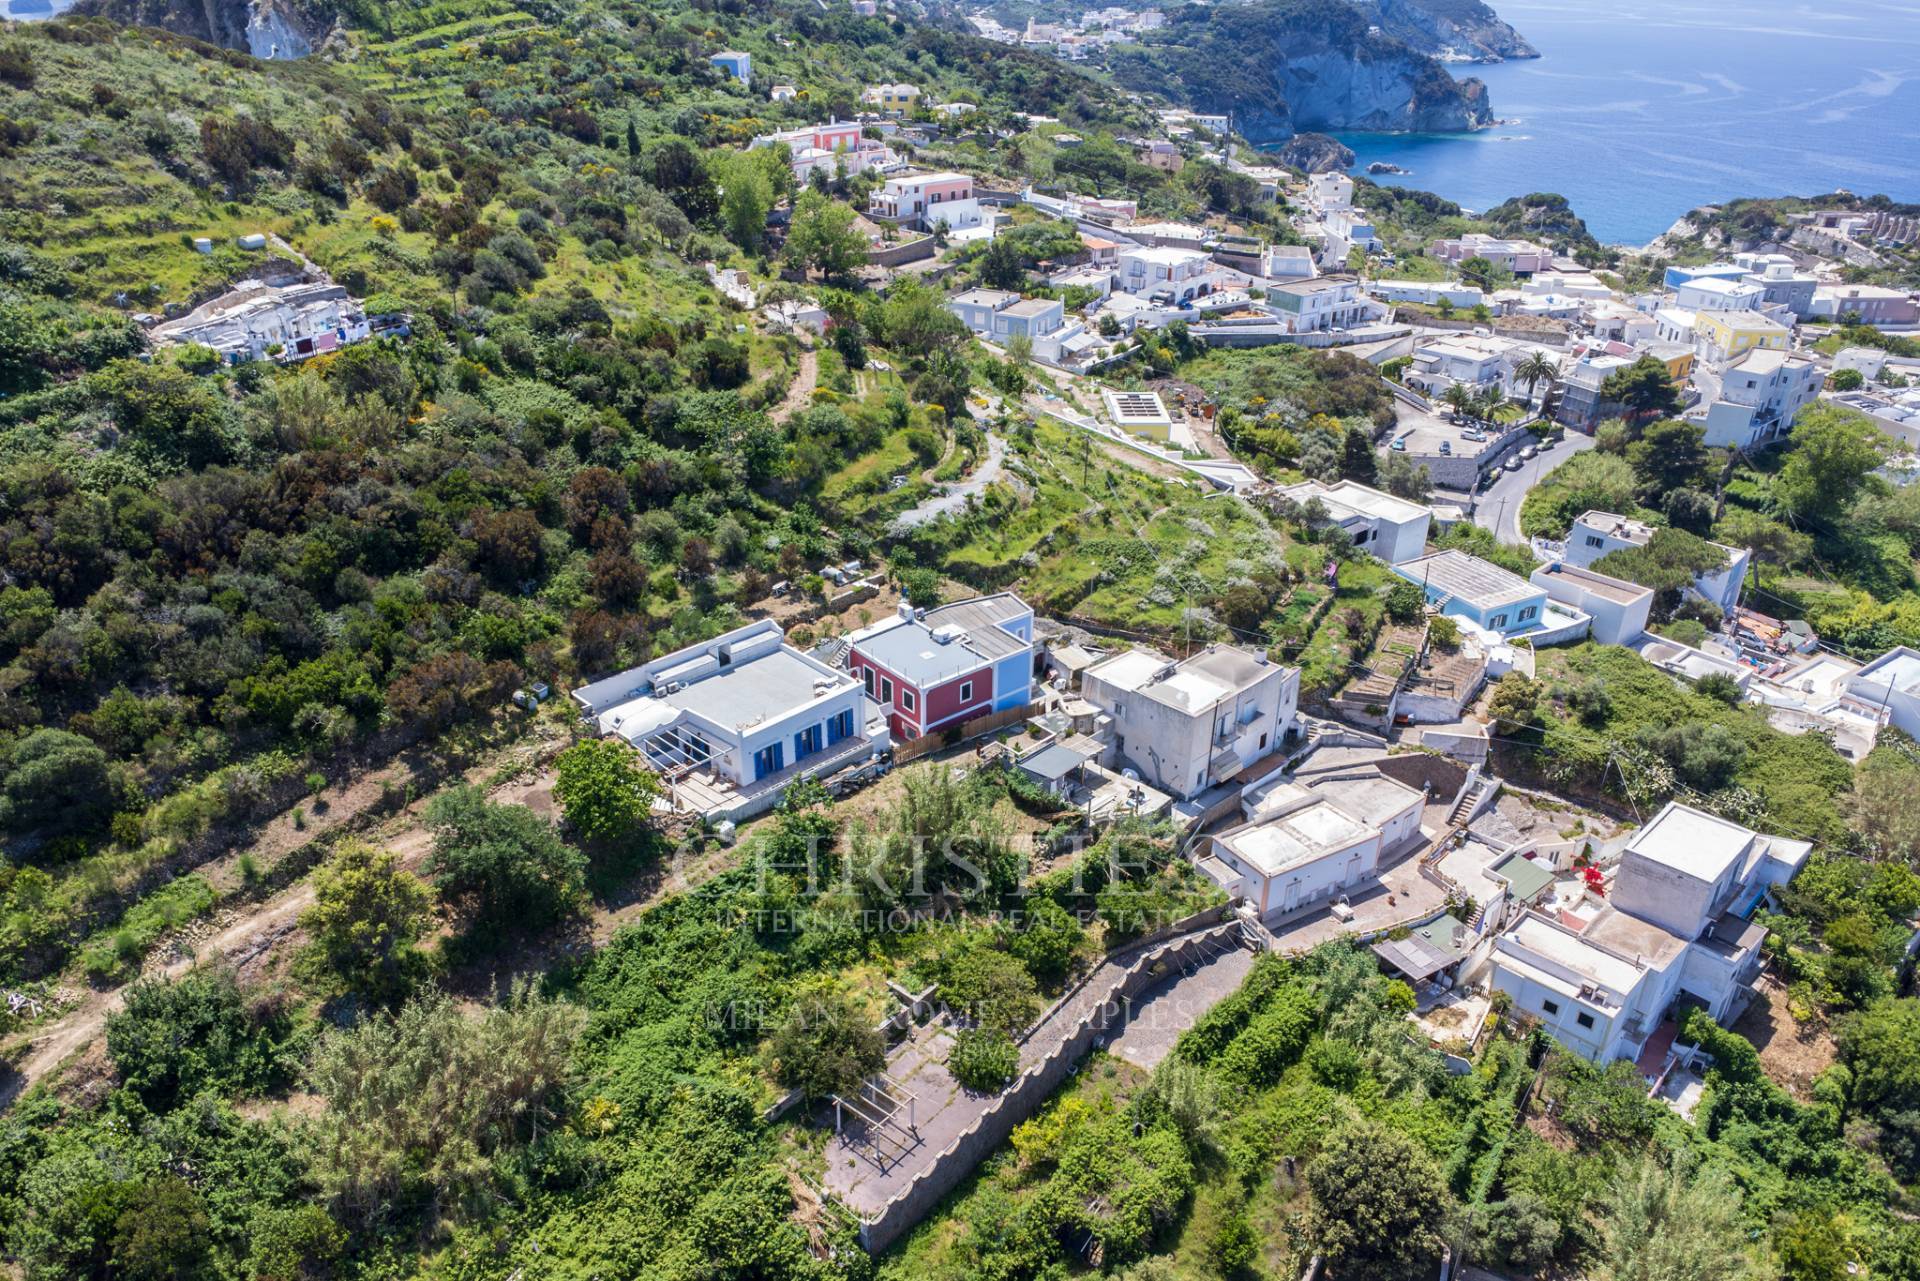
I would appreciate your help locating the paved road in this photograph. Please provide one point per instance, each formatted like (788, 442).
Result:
(1499, 508)
(956, 495)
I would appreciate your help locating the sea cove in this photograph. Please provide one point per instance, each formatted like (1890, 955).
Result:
(1637, 112)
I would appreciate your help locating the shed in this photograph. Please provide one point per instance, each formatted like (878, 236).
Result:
(1526, 879)
(252, 240)
(1052, 766)
(1413, 957)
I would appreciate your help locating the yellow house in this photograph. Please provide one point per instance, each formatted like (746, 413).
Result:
(895, 99)
(1729, 335)
(1677, 359)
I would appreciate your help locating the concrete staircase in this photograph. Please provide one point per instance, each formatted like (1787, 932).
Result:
(1468, 802)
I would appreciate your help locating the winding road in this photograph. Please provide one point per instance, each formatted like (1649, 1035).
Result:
(955, 496)
(1499, 508)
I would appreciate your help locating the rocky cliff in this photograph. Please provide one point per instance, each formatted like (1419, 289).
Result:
(1283, 67)
(1316, 153)
(1457, 30)
(263, 28)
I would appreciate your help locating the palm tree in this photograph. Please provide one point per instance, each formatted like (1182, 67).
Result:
(1536, 369)
(1459, 398)
(1490, 400)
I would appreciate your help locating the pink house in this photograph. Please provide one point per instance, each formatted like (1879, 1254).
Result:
(835, 148)
(919, 195)
(1522, 257)
(931, 669)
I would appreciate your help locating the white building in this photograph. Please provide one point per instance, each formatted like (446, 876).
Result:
(999, 315)
(1428, 293)
(1168, 275)
(1597, 533)
(1308, 844)
(730, 722)
(256, 320)
(1710, 293)
(1755, 398)
(1187, 726)
(1391, 528)
(1618, 608)
(1321, 305)
(1347, 230)
(1676, 927)
(1288, 262)
(928, 200)
(1329, 191)
(1474, 361)
(1892, 682)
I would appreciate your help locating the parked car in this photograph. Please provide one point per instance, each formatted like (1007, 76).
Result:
(1399, 443)
(1530, 453)
(1446, 447)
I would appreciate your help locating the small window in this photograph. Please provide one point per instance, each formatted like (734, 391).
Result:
(1550, 1007)
(886, 690)
(1592, 541)
(966, 691)
(866, 676)
(906, 699)
(1584, 1020)
(1498, 620)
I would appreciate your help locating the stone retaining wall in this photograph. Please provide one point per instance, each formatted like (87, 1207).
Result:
(1024, 1097)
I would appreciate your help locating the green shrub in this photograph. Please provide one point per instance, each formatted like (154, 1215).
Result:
(984, 1060)
(172, 1040)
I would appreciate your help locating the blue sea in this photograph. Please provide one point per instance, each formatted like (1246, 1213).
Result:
(1639, 110)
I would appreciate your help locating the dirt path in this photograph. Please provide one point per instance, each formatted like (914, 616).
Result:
(800, 394)
(261, 930)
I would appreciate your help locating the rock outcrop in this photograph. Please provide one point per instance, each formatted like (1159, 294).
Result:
(264, 28)
(1284, 67)
(1457, 30)
(1316, 153)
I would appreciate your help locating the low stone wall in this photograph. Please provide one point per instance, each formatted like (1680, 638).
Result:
(899, 255)
(1024, 1097)
(1438, 775)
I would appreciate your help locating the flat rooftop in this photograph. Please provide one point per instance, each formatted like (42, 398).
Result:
(1032, 307)
(763, 688)
(1373, 799)
(1274, 845)
(1617, 526)
(1631, 937)
(1555, 943)
(1604, 586)
(910, 650)
(1126, 407)
(1350, 497)
(1469, 578)
(995, 298)
(1193, 684)
(1898, 668)
(1692, 841)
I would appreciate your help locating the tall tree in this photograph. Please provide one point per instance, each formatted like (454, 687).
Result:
(502, 865)
(1536, 368)
(1659, 1223)
(603, 790)
(823, 238)
(366, 916)
(1834, 451)
(1380, 1204)
(1645, 388)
